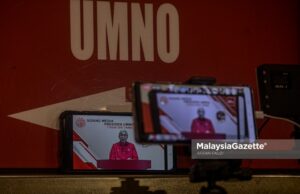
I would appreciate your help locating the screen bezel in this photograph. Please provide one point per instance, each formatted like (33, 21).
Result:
(66, 162)
(138, 112)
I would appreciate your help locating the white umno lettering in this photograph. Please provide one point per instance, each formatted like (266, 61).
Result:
(84, 50)
(167, 11)
(115, 31)
(142, 32)
(113, 35)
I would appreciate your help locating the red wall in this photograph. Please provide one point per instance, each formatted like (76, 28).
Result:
(224, 39)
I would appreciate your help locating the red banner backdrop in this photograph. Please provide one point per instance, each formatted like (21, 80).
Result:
(54, 51)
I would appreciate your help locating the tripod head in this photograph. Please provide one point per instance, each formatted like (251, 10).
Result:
(212, 170)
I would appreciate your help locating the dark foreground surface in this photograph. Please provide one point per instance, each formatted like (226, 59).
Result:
(80, 184)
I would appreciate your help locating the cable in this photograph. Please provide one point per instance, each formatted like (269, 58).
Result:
(284, 119)
(262, 115)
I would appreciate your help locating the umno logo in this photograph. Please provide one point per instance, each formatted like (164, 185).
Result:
(80, 122)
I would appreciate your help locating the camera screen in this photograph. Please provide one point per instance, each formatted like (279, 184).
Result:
(174, 112)
(195, 116)
(106, 142)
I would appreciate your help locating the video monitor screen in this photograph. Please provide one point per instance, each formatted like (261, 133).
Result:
(179, 113)
(195, 116)
(106, 142)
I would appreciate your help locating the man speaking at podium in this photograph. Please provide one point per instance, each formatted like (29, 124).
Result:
(123, 150)
(202, 124)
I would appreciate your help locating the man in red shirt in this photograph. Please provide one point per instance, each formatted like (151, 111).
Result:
(123, 150)
(202, 124)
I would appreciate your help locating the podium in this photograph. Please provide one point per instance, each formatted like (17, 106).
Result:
(124, 164)
(190, 135)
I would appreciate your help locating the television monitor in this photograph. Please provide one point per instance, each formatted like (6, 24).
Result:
(102, 141)
(169, 113)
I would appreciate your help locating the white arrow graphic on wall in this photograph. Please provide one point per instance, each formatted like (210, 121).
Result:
(48, 116)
